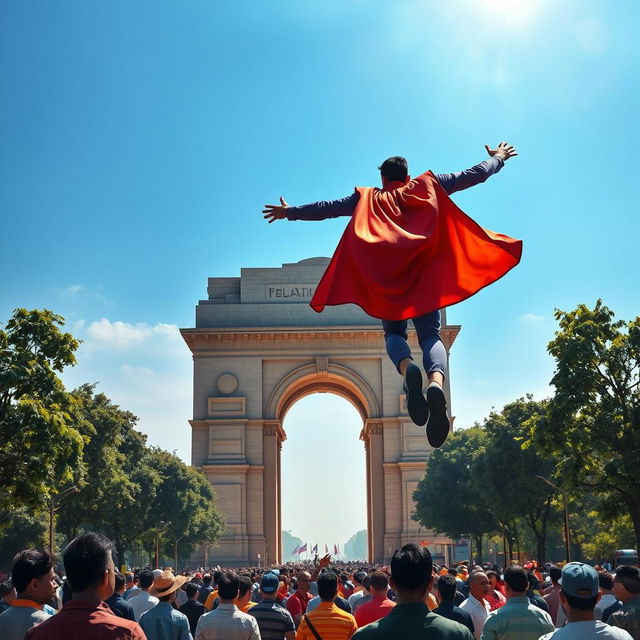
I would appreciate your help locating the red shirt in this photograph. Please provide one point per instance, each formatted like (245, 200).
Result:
(297, 603)
(82, 620)
(376, 608)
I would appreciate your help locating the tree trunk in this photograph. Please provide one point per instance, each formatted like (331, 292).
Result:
(634, 512)
(478, 541)
(517, 537)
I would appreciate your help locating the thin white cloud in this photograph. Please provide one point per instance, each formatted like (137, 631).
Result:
(118, 335)
(592, 36)
(79, 291)
(531, 318)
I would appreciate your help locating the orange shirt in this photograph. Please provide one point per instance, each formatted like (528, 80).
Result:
(331, 623)
(210, 599)
(247, 606)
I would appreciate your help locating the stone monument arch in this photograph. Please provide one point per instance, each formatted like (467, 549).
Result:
(257, 349)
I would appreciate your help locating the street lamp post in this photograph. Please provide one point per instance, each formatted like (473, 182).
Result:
(161, 526)
(567, 543)
(53, 507)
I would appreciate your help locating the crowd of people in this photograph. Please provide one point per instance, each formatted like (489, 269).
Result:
(409, 598)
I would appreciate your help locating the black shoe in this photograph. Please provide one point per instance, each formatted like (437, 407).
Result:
(416, 404)
(437, 420)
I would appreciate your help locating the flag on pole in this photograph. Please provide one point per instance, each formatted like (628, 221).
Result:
(302, 549)
(315, 548)
(293, 553)
(326, 550)
(335, 549)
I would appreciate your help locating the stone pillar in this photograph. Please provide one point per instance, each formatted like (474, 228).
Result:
(272, 431)
(376, 488)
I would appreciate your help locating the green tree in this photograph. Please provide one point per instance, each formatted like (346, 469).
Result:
(289, 543)
(21, 529)
(40, 446)
(593, 425)
(449, 498)
(356, 547)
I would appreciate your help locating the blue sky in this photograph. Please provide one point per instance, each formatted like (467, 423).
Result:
(139, 141)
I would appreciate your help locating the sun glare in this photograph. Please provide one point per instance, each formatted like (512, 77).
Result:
(514, 13)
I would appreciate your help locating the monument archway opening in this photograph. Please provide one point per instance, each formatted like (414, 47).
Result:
(323, 464)
(257, 349)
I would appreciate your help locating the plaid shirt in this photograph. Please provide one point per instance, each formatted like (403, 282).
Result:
(628, 618)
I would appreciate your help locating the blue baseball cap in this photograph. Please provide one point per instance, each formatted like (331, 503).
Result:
(578, 577)
(269, 583)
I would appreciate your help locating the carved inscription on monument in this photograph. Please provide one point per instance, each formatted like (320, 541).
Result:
(289, 292)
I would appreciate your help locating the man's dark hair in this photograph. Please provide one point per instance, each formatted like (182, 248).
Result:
(453, 572)
(584, 604)
(120, 580)
(411, 568)
(85, 560)
(191, 589)
(206, 579)
(394, 168)
(129, 577)
(216, 576)
(359, 576)
(516, 578)
(6, 588)
(532, 580)
(447, 587)
(366, 582)
(327, 585)
(30, 564)
(627, 575)
(555, 573)
(244, 585)
(228, 585)
(380, 581)
(605, 580)
(146, 578)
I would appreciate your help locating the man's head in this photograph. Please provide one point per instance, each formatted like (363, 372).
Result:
(555, 573)
(228, 586)
(479, 585)
(206, 579)
(33, 576)
(244, 590)
(394, 169)
(411, 571)
(516, 578)
(579, 587)
(626, 584)
(192, 590)
(379, 584)
(89, 565)
(119, 583)
(358, 577)
(145, 578)
(269, 586)
(129, 580)
(327, 586)
(605, 580)
(493, 578)
(446, 587)
(216, 576)
(304, 581)
(7, 592)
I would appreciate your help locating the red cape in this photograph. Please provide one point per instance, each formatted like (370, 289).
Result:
(410, 250)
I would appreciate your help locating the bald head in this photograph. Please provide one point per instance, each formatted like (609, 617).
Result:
(479, 585)
(304, 581)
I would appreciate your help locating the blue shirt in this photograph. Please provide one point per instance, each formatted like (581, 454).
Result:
(450, 182)
(163, 622)
(449, 610)
(518, 619)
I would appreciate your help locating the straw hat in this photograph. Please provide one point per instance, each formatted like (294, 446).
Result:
(166, 583)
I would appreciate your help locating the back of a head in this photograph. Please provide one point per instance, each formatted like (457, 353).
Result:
(86, 558)
(555, 573)
(629, 576)
(366, 582)
(245, 585)
(516, 578)
(216, 576)
(228, 585)
(411, 568)
(394, 169)
(191, 589)
(128, 577)
(327, 585)
(146, 578)
(30, 564)
(206, 579)
(605, 580)
(380, 581)
(447, 587)
(120, 580)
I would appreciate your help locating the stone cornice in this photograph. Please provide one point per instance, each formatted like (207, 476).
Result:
(274, 428)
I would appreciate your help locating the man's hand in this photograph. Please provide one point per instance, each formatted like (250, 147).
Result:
(325, 560)
(274, 212)
(504, 151)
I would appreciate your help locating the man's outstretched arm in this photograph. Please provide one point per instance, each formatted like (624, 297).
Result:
(452, 182)
(315, 211)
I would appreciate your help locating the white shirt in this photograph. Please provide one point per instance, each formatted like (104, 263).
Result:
(479, 612)
(588, 630)
(142, 603)
(227, 622)
(605, 602)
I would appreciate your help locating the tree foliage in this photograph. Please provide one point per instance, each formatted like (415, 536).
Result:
(357, 546)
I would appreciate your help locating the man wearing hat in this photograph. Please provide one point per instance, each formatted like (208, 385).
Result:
(579, 593)
(163, 622)
(274, 621)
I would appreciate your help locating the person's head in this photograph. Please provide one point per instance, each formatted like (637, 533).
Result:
(394, 169)
(327, 586)
(7, 592)
(33, 576)
(192, 590)
(555, 573)
(605, 580)
(446, 587)
(216, 577)
(128, 580)
(516, 579)
(452, 571)
(479, 585)
(626, 584)
(244, 590)
(366, 583)
(228, 586)
(269, 586)
(206, 579)
(145, 578)
(411, 571)
(379, 584)
(304, 581)
(579, 588)
(119, 582)
(493, 578)
(533, 582)
(358, 577)
(89, 566)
